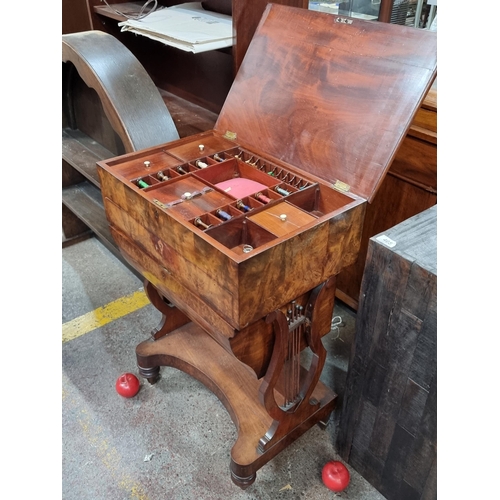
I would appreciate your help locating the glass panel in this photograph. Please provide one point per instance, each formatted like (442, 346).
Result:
(364, 9)
(416, 13)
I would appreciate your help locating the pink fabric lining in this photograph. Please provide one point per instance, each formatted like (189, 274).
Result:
(239, 187)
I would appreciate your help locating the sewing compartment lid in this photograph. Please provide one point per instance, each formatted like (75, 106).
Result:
(331, 95)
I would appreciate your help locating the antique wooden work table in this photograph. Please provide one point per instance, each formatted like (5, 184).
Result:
(239, 232)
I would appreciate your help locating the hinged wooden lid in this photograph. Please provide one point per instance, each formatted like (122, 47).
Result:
(333, 96)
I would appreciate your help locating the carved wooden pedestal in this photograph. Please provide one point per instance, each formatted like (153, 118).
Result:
(269, 413)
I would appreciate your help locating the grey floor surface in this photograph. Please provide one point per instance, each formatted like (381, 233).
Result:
(173, 440)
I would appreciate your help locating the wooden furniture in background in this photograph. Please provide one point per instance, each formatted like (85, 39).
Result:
(203, 79)
(75, 16)
(246, 282)
(104, 114)
(409, 188)
(388, 427)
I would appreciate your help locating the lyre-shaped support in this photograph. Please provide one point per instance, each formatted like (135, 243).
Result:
(292, 333)
(264, 427)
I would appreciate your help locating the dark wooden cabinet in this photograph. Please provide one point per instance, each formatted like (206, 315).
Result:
(388, 427)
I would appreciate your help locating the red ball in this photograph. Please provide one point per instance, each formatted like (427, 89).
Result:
(335, 476)
(127, 385)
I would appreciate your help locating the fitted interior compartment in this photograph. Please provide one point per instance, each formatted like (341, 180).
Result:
(186, 168)
(203, 162)
(143, 165)
(166, 174)
(282, 218)
(285, 189)
(187, 197)
(247, 204)
(205, 221)
(225, 155)
(227, 213)
(267, 196)
(236, 178)
(241, 235)
(145, 181)
(319, 200)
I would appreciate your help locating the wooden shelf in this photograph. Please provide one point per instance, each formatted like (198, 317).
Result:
(86, 200)
(82, 152)
(129, 8)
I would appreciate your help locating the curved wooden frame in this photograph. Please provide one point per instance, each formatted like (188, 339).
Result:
(130, 99)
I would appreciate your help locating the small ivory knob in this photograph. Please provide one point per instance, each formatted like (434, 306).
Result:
(283, 217)
(202, 147)
(147, 164)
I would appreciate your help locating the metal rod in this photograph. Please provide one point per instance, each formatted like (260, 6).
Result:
(418, 13)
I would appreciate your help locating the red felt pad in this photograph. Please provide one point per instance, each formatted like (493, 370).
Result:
(239, 187)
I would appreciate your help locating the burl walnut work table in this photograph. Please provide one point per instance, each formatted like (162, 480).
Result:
(240, 231)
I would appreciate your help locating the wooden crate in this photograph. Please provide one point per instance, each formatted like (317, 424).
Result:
(388, 427)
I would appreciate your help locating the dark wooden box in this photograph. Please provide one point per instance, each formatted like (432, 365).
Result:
(314, 117)
(388, 428)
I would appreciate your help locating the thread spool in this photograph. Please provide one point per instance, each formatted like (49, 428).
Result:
(223, 215)
(282, 191)
(200, 223)
(242, 206)
(262, 198)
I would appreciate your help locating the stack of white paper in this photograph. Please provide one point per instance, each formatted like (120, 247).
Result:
(186, 26)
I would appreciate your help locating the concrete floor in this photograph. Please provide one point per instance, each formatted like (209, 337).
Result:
(173, 440)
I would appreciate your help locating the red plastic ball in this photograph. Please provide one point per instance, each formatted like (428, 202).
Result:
(335, 476)
(127, 385)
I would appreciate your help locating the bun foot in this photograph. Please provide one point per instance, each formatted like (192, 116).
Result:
(243, 482)
(152, 375)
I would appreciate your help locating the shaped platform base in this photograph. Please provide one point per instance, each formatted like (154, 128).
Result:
(191, 350)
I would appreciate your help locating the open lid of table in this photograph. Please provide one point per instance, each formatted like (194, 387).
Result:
(331, 95)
